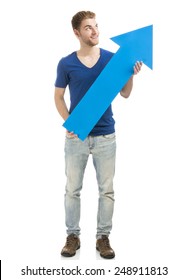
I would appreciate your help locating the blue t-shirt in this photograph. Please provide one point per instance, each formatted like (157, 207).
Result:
(71, 72)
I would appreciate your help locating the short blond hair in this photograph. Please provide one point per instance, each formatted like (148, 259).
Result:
(79, 17)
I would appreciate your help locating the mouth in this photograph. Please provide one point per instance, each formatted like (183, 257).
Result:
(94, 37)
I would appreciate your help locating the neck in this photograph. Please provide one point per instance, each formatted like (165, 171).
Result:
(88, 51)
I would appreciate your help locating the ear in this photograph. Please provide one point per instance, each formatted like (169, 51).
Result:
(76, 32)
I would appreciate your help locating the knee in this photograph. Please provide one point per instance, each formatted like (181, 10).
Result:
(73, 191)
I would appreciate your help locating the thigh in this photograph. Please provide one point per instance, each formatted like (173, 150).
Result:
(104, 156)
(76, 157)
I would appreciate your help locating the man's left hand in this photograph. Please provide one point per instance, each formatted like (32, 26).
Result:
(137, 67)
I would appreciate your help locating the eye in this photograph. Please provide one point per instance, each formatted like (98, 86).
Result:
(88, 28)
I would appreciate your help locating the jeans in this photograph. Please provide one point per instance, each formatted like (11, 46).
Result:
(103, 151)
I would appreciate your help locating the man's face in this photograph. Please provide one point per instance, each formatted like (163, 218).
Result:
(88, 33)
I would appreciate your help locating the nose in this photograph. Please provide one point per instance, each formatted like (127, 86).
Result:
(94, 30)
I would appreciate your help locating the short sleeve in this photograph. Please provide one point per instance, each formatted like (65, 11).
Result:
(62, 77)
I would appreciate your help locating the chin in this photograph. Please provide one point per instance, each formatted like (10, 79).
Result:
(94, 43)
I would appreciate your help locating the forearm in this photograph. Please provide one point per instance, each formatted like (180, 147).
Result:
(126, 90)
(61, 107)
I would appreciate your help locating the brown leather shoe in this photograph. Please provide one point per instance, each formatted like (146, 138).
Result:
(103, 246)
(72, 244)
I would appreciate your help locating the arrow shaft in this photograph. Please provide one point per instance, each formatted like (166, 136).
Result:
(99, 97)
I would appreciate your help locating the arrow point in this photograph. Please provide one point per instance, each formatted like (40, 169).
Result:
(138, 44)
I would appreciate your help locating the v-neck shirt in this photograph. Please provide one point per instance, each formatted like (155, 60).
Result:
(75, 74)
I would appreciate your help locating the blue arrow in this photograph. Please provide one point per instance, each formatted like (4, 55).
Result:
(134, 46)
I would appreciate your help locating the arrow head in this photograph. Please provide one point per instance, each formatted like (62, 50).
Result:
(138, 45)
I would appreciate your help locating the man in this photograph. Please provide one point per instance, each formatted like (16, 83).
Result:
(79, 71)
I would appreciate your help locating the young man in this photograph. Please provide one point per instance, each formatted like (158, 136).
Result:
(79, 70)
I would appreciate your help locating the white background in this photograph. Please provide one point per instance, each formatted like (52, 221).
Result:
(149, 227)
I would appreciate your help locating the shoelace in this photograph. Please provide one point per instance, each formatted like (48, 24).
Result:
(70, 240)
(106, 241)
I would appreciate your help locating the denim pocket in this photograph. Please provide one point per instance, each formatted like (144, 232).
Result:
(109, 136)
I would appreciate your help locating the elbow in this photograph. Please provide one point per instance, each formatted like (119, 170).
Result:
(125, 94)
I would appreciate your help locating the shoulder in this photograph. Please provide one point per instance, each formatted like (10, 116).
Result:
(67, 59)
(106, 53)
(106, 56)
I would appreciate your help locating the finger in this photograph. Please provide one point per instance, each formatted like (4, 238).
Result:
(135, 70)
(70, 132)
(138, 66)
(73, 134)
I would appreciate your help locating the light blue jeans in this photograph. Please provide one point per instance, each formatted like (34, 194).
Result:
(103, 151)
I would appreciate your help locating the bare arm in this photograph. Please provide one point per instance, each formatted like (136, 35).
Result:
(126, 90)
(62, 107)
(60, 103)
